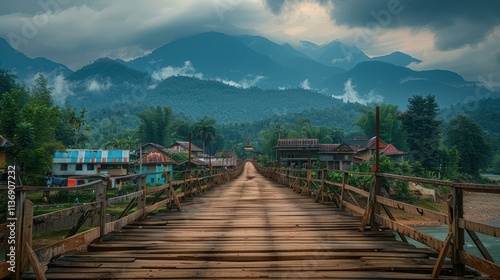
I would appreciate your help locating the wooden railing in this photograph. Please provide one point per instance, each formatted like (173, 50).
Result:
(369, 202)
(145, 199)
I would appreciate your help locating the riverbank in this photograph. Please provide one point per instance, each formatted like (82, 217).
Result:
(478, 207)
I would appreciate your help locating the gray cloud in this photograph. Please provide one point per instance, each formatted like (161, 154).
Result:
(276, 6)
(455, 23)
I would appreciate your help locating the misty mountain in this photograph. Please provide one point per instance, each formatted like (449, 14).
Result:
(215, 55)
(25, 67)
(106, 83)
(396, 84)
(228, 104)
(397, 58)
(287, 56)
(334, 53)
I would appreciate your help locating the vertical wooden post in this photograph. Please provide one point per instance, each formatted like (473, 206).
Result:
(101, 191)
(345, 178)
(376, 206)
(27, 225)
(458, 233)
(141, 203)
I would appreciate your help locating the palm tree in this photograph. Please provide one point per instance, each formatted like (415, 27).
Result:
(205, 129)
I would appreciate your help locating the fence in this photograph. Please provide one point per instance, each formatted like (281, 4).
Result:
(142, 201)
(368, 200)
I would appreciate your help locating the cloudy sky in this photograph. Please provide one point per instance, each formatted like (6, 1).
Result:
(460, 35)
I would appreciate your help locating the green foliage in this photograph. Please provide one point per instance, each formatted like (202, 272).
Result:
(178, 157)
(391, 128)
(422, 128)
(467, 136)
(70, 197)
(496, 164)
(205, 130)
(156, 125)
(11, 103)
(30, 122)
(450, 160)
(7, 81)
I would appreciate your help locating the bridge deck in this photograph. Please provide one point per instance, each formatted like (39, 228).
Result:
(248, 228)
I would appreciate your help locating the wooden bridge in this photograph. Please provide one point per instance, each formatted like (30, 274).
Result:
(252, 223)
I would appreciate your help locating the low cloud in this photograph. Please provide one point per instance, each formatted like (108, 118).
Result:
(186, 70)
(305, 84)
(247, 82)
(60, 89)
(351, 95)
(95, 86)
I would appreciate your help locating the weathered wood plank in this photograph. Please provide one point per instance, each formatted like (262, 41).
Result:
(249, 228)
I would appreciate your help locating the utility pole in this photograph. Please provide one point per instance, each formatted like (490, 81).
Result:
(140, 151)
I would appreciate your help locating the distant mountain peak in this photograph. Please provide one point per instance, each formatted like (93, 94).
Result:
(397, 58)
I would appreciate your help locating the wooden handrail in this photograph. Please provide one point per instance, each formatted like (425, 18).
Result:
(79, 241)
(297, 179)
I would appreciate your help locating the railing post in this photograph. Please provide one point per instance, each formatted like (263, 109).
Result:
(101, 197)
(345, 178)
(458, 233)
(27, 232)
(169, 185)
(376, 206)
(141, 203)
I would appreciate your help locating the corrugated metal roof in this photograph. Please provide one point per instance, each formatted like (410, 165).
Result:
(156, 157)
(391, 150)
(91, 156)
(336, 149)
(298, 143)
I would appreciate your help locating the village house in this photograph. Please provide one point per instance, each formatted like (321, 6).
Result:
(154, 163)
(297, 152)
(337, 156)
(183, 147)
(87, 162)
(4, 144)
(364, 151)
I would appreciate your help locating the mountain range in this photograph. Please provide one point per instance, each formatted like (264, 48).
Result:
(264, 77)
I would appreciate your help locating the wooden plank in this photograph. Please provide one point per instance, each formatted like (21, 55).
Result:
(433, 215)
(249, 228)
(490, 268)
(421, 237)
(442, 256)
(4, 270)
(156, 189)
(27, 233)
(52, 221)
(123, 198)
(479, 227)
(37, 267)
(76, 242)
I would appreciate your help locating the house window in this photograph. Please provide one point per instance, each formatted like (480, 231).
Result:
(64, 167)
(90, 167)
(346, 157)
(79, 167)
(152, 180)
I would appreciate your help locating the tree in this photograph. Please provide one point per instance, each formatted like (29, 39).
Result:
(79, 125)
(30, 123)
(7, 81)
(156, 124)
(391, 128)
(10, 114)
(496, 164)
(205, 130)
(467, 136)
(422, 128)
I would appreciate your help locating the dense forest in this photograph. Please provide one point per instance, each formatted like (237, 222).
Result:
(453, 144)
